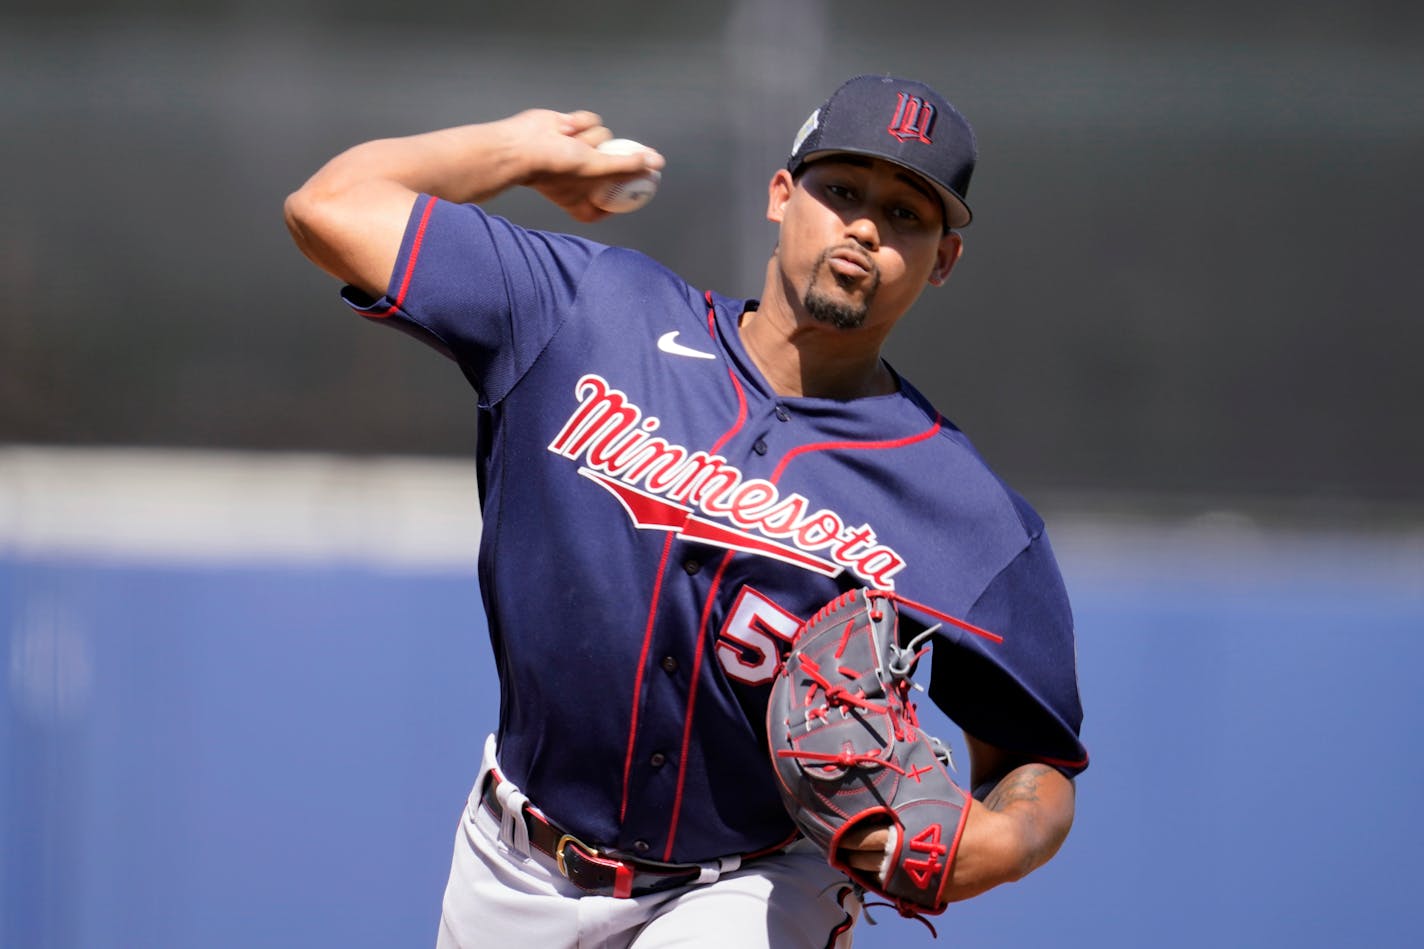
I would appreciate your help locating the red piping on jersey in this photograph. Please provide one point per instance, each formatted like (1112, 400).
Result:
(415, 246)
(736, 384)
(931, 611)
(1078, 765)
(741, 415)
(692, 700)
(856, 446)
(707, 609)
(642, 665)
(845, 925)
(652, 614)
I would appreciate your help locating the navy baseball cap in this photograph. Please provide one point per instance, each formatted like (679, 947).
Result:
(901, 121)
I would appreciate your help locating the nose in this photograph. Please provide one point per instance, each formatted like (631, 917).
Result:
(861, 228)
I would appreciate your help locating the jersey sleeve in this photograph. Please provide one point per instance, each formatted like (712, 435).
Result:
(1020, 695)
(479, 289)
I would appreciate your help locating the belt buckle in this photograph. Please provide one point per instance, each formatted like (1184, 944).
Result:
(564, 841)
(622, 872)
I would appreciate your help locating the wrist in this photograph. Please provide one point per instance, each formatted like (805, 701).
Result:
(990, 853)
(513, 162)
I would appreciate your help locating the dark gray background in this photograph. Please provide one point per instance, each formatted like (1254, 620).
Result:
(1190, 292)
(1193, 270)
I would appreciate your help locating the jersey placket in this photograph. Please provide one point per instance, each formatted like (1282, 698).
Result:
(752, 462)
(670, 669)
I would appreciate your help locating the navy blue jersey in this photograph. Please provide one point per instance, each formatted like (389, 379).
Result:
(657, 521)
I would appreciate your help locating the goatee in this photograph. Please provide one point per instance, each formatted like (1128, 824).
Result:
(838, 313)
(835, 311)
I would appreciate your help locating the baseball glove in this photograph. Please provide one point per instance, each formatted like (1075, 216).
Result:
(847, 748)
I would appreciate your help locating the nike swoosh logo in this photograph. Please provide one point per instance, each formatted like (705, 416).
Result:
(668, 343)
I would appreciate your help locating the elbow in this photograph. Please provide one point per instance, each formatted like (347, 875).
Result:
(323, 206)
(349, 225)
(303, 212)
(314, 216)
(295, 210)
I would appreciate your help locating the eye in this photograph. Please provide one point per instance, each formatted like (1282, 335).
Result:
(837, 190)
(908, 218)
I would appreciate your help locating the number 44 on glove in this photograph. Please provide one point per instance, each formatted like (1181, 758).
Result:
(848, 750)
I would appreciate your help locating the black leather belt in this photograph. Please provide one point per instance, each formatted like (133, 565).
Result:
(587, 868)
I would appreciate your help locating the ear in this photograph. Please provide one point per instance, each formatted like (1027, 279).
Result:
(778, 194)
(950, 247)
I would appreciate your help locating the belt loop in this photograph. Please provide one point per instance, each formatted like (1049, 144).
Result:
(513, 831)
(712, 872)
(622, 881)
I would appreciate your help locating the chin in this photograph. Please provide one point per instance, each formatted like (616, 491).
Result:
(842, 314)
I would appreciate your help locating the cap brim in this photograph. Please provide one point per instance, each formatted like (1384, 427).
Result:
(956, 209)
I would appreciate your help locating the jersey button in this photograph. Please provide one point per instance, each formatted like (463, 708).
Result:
(691, 567)
(657, 759)
(642, 846)
(782, 415)
(669, 664)
(759, 447)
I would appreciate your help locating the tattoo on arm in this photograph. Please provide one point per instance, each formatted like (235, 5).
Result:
(1020, 785)
(1044, 814)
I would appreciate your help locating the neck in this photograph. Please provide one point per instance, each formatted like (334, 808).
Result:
(800, 356)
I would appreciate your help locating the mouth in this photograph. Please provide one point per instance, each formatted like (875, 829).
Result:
(850, 265)
(842, 297)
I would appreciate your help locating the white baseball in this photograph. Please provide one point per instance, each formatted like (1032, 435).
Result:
(630, 194)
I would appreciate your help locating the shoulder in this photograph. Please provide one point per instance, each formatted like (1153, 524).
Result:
(972, 470)
(626, 264)
(587, 267)
(437, 220)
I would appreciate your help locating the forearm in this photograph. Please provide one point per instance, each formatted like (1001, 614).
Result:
(350, 216)
(469, 163)
(1018, 826)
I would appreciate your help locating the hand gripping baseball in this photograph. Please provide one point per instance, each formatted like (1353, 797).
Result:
(848, 750)
(574, 161)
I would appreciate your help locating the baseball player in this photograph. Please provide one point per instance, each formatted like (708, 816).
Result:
(672, 481)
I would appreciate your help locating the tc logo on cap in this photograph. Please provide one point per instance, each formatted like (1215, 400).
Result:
(913, 119)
